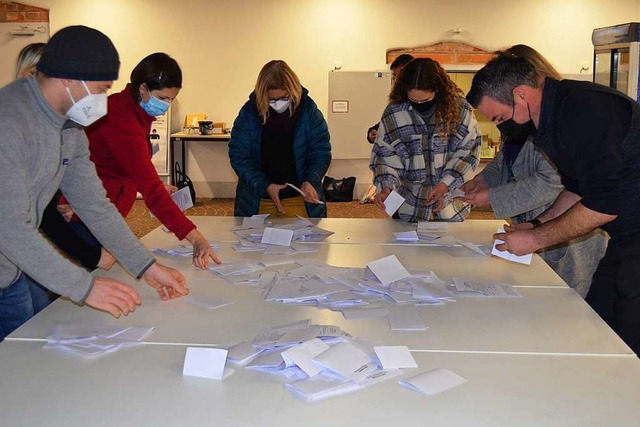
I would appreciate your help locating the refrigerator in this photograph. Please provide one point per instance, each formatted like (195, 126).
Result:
(616, 58)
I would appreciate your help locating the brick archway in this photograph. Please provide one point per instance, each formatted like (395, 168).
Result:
(22, 13)
(446, 53)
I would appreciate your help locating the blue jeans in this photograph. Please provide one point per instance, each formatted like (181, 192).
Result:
(82, 231)
(19, 303)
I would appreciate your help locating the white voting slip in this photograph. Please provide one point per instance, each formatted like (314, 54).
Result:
(395, 357)
(206, 363)
(388, 269)
(277, 236)
(496, 290)
(182, 199)
(94, 338)
(393, 202)
(207, 301)
(303, 354)
(521, 259)
(434, 381)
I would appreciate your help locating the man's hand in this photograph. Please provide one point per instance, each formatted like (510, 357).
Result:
(478, 197)
(168, 282)
(379, 198)
(478, 182)
(106, 260)
(273, 190)
(113, 297)
(435, 196)
(518, 242)
(202, 251)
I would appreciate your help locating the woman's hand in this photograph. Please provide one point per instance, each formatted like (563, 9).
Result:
(66, 212)
(435, 197)
(311, 195)
(106, 259)
(273, 190)
(379, 198)
(202, 251)
(171, 189)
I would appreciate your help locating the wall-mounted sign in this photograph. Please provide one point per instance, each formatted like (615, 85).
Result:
(340, 106)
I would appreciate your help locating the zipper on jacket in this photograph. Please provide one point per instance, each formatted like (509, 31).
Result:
(120, 194)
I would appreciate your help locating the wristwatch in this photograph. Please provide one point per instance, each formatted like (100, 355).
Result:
(535, 222)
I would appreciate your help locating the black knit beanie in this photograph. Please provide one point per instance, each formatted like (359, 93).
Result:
(80, 53)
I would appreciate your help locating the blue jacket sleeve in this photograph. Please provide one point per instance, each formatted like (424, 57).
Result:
(319, 147)
(244, 151)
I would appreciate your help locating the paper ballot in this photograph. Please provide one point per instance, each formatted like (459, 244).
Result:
(303, 354)
(182, 199)
(277, 236)
(395, 357)
(522, 259)
(388, 269)
(393, 202)
(433, 382)
(206, 363)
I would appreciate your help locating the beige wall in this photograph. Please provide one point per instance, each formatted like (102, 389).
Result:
(221, 45)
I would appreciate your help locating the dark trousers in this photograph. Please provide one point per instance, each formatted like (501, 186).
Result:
(615, 291)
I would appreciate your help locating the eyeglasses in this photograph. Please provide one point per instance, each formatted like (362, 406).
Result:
(282, 98)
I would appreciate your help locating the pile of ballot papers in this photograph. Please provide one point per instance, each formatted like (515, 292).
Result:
(93, 339)
(256, 235)
(322, 361)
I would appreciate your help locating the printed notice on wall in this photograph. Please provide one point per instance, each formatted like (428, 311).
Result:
(339, 106)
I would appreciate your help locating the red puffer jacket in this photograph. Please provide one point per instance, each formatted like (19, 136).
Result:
(121, 151)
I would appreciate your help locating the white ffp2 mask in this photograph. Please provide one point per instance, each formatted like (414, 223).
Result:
(280, 105)
(88, 109)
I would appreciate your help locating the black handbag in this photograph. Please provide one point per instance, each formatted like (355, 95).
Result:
(182, 180)
(338, 190)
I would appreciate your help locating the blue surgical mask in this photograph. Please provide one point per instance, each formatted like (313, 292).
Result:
(154, 107)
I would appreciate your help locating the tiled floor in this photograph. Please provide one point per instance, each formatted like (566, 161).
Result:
(141, 223)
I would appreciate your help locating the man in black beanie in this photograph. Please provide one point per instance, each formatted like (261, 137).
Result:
(43, 147)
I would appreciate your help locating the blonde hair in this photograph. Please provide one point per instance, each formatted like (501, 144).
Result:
(543, 68)
(276, 74)
(28, 58)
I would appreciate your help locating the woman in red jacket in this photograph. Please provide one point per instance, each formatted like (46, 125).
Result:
(120, 148)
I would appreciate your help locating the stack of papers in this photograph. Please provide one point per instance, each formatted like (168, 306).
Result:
(495, 290)
(93, 339)
(335, 370)
(321, 360)
(302, 230)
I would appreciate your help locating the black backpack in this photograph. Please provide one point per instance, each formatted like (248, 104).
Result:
(182, 180)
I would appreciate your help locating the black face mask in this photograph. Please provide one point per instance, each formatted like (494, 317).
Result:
(517, 131)
(423, 107)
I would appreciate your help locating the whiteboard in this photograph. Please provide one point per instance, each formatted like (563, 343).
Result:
(356, 102)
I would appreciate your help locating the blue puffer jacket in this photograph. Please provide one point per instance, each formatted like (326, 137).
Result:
(311, 150)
